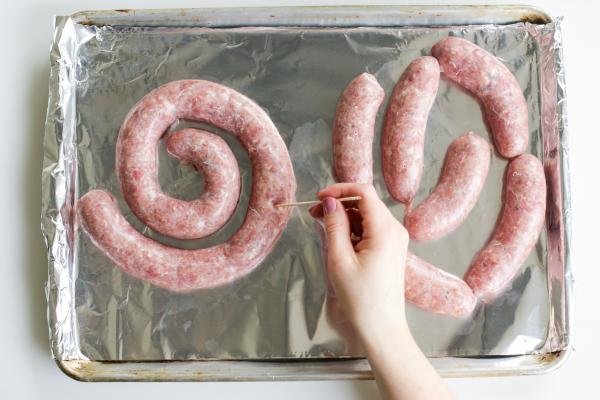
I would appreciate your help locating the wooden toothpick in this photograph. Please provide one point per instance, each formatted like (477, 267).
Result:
(311, 202)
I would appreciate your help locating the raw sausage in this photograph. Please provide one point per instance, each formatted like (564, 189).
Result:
(519, 225)
(403, 137)
(462, 178)
(137, 168)
(354, 129)
(486, 77)
(180, 219)
(432, 289)
(273, 182)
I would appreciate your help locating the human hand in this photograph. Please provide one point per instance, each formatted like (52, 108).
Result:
(368, 275)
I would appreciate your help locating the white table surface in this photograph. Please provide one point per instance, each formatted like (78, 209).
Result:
(28, 372)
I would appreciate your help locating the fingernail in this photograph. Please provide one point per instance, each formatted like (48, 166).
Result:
(329, 205)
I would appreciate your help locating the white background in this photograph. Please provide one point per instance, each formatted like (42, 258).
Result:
(26, 369)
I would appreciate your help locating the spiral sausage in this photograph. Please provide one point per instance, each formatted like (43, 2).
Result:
(177, 269)
(180, 219)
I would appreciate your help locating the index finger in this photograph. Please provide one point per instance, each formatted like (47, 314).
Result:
(372, 209)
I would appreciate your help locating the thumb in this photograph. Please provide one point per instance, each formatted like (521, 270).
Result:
(337, 229)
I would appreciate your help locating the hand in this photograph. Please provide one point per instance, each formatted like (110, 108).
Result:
(368, 276)
(368, 279)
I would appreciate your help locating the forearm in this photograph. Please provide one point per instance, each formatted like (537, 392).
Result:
(401, 370)
(369, 285)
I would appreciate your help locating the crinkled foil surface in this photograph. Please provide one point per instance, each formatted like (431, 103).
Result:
(296, 74)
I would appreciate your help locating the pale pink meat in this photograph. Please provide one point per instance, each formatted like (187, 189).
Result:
(432, 289)
(426, 286)
(465, 168)
(403, 137)
(517, 230)
(194, 219)
(354, 129)
(273, 182)
(491, 81)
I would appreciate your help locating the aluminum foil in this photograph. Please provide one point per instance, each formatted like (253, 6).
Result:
(282, 310)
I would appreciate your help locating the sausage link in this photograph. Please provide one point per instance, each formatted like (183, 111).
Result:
(486, 77)
(427, 286)
(432, 289)
(519, 225)
(403, 137)
(354, 129)
(463, 175)
(273, 182)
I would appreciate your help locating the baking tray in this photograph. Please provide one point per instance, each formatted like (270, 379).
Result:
(554, 153)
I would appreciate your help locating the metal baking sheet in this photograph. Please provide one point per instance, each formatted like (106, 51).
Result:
(294, 63)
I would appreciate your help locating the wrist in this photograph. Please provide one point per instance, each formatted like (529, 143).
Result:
(384, 336)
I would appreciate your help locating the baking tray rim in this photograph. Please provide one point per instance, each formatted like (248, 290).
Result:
(299, 370)
(290, 370)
